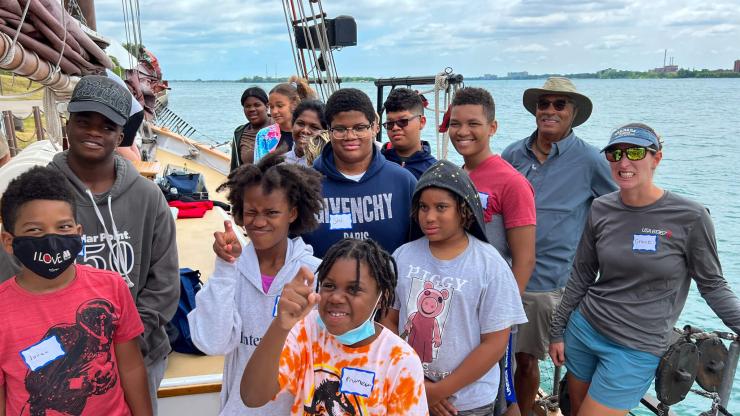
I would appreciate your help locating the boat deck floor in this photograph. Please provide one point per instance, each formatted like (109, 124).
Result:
(194, 247)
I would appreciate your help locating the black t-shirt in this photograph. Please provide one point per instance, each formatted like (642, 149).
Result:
(286, 140)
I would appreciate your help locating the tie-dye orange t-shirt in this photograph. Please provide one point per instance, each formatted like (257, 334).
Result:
(328, 378)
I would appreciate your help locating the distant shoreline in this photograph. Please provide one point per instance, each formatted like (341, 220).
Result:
(603, 74)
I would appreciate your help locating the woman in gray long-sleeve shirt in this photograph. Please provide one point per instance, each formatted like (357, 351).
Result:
(640, 249)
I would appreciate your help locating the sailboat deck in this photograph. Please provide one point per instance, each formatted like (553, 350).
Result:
(194, 246)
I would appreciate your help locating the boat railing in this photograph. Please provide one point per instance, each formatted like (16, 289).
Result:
(408, 82)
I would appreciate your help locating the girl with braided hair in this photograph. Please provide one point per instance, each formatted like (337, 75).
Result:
(273, 201)
(335, 359)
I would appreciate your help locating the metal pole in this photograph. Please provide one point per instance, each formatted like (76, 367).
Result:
(380, 112)
(10, 132)
(556, 381)
(37, 122)
(728, 375)
(65, 139)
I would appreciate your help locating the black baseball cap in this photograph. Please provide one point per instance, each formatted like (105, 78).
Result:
(101, 95)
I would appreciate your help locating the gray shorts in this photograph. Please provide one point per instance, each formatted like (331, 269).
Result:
(486, 410)
(534, 337)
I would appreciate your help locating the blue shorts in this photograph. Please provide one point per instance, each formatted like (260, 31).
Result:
(619, 376)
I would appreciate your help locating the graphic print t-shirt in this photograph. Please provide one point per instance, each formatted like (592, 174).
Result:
(445, 305)
(328, 378)
(57, 349)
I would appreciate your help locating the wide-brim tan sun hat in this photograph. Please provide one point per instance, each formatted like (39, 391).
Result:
(559, 86)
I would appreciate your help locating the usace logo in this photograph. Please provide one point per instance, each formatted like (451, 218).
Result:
(666, 233)
(54, 259)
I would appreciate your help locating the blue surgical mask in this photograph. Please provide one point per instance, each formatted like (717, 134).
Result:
(353, 336)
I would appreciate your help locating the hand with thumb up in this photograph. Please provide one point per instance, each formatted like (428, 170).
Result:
(297, 299)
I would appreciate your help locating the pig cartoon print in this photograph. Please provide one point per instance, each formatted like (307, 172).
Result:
(422, 326)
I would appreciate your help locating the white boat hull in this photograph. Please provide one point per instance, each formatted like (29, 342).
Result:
(190, 404)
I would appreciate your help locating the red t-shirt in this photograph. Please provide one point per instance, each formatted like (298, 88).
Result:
(506, 192)
(57, 349)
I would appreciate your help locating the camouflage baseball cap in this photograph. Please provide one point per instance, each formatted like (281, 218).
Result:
(102, 95)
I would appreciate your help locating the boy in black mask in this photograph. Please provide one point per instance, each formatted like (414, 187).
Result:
(70, 331)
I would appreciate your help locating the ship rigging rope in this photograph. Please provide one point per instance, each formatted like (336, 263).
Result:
(9, 54)
(309, 39)
(6, 97)
(325, 49)
(316, 39)
(53, 119)
(329, 56)
(132, 28)
(56, 68)
(298, 56)
(442, 85)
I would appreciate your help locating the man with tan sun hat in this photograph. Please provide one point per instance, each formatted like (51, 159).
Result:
(567, 174)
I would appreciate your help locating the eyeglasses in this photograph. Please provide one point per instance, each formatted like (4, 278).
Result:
(341, 132)
(559, 104)
(402, 122)
(632, 153)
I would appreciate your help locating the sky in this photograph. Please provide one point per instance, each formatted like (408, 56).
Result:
(231, 39)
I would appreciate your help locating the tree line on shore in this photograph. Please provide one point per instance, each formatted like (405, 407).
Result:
(609, 73)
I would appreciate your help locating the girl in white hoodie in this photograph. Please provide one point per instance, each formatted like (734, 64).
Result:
(272, 201)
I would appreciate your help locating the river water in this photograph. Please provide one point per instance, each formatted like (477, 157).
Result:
(697, 118)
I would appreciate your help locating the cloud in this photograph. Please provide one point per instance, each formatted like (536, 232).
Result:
(706, 14)
(194, 39)
(708, 31)
(532, 47)
(611, 42)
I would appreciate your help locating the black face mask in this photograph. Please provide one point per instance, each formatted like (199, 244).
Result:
(47, 256)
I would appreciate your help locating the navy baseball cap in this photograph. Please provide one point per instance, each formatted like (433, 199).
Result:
(633, 135)
(101, 95)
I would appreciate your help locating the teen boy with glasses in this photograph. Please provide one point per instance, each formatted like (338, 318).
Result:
(566, 174)
(404, 122)
(365, 196)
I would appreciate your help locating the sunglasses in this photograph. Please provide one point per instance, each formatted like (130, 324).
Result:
(402, 122)
(559, 104)
(632, 153)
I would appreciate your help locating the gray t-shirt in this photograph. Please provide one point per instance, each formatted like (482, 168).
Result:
(496, 234)
(634, 267)
(445, 306)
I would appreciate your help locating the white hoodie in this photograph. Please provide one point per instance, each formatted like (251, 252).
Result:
(232, 314)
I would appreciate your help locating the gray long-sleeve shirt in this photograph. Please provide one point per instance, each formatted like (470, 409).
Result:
(633, 269)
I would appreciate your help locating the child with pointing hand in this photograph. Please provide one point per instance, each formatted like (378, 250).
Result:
(271, 200)
(334, 358)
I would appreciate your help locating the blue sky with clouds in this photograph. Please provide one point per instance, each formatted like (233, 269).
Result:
(229, 39)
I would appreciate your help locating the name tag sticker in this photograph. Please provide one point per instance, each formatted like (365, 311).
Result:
(275, 306)
(357, 382)
(42, 353)
(483, 199)
(645, 242)
(340, 221)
